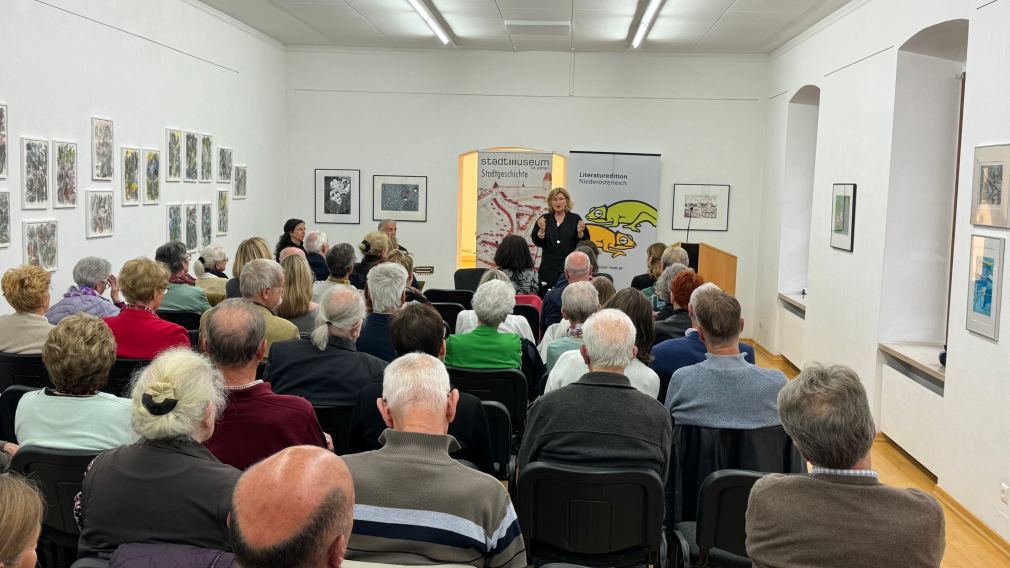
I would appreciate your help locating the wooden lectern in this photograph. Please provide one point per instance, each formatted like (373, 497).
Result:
(717, 266)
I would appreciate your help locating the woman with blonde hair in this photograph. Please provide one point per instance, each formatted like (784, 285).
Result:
(21, 511)
(297, 305)
(604, 287)
(557, 233)
(654, 261)
(26, 289)
(374, 249)
(249, 249)
(413, 294)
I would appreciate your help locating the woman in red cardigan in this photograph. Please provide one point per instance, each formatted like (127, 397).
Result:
(140, 333)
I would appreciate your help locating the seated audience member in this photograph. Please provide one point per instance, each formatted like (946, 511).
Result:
(78, 355)
(412, 294)
(167, 487)
(316, 247)
(513, 258)
(672, 255)
(386, 283)
(183, 294)
(417, 405)
(593, 255)
(485, 347)
(654, 262)
(466, 320)
(249, 249)
(297, 306)
(92, 276)
(661, 301)
(578, 301)
(577, 269)
(292, 251)
(21, 514)
(672, 354)
(139, 332)
(209, 270)
(327, 370)
(388, 226)
(571, 365)
(723, 391)
(316, 505)
(339, 263)
(374, 248)
(234, 342)
(604, 288)
(26, 289)
(601, 420)
(679, 321)
(796, 520)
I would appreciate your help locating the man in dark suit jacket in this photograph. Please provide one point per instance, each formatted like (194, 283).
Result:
(577, 269)
(316, 247)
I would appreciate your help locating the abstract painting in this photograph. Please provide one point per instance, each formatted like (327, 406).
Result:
(192, 157)
(700, 207)
(131, 176)
(174, 145)
(175, 223)
(843, 215)
(5, 219)
(985, 286)
(400, 198)
(34, 173)
(241, 180)
(338, 195)
(41, 245)
(99, 210)
(206, 158)
(192, 226)
(102, 150)
(990, 190)
(3, 141)
(65, 154)
(152, 177)
(222, 212)
(206, 224)
(224, 165)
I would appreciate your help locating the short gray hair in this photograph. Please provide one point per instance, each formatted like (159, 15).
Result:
(383, 223)
(662, 286)
(315, 241)
(826, 412)
(386, 283)
(212, 253)
(493, 274)
(260, 274)
(706, 288)
(172, 254)
(181, 375)
(234, 330)
(675, 255)
(609, 337)
(579, 301)
(578, 264)
(340, 309)
(416, 380)
(340, 259)
(493, 301)
(91, 271)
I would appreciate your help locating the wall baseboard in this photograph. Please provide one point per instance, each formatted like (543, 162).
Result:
(976, 524)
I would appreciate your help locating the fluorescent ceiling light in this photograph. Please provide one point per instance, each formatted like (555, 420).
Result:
(431, 21)
(643, 26)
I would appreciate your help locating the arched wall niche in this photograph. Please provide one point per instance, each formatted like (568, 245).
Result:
(798, 188)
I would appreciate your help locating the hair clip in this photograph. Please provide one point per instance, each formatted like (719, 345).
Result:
(158, 408)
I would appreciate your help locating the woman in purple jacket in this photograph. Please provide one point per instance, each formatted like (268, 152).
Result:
(92, 275)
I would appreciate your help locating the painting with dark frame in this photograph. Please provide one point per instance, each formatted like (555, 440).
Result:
(400, 198)
(338, 196)
(843, 216)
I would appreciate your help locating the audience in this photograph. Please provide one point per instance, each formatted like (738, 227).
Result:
(21, 514)
(577, 269)
(388, 226)
(593, 254)
(182, 295)
(654, 262)
(339, 263)
(327, 370)
(407, 490)
(307, 525)
(139, 332)
(167, 487)
(578, 301)
(723, 391)
(294, 232)
(485, 347)
(92, 276)
(316, 247)
(209, 270)
(604, 288)
(412, 294)
(297, 306)
(840, 514)
(660, 300)
(385, 292)
(249, 249)
(466, 320)
(679, 320)
(26, 289)
(374, 248)
(513, 258)
(292, 251)
(673, 254)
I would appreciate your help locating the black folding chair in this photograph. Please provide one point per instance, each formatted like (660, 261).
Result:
(336, 421)
(121, 375)
(532, 315)
(449, 311)
(719, 536)
(461, 297)
(188, 320)
(18, 369)
(9, 400)
(507, 386)
(468, 278)
(499, 424)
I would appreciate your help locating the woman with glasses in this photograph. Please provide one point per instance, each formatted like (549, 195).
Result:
(26, 289)
(140, 333)
(183, 294)
(92, 277)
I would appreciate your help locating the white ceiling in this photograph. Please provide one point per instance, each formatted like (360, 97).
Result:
(682, 26)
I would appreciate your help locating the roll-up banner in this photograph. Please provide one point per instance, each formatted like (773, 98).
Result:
(618, 197)
(512, 190)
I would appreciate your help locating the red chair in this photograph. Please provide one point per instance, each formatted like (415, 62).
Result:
(530, 300)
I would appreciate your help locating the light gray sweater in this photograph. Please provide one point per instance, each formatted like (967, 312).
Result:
(23, 333)
(725, 391)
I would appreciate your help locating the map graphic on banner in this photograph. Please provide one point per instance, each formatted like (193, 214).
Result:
(512, 190)
(617, 195)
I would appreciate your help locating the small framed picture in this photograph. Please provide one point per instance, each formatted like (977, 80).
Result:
(224, 165)
(206, 224)
(241, 182)
(174, 223)
(65, 174)
(41, 243)
(174, 155)
(3, 141)
(400, 198)
(34, 173)
(222, 212)
(99, 206)
(192, 226)
(338, 196)
(131, 176)
(700, 207)
(985, 286)
(192, 169)
(843, 215)
(990, 187)
(206, 158)
(103, 153)
(5, 219)
(152, 177)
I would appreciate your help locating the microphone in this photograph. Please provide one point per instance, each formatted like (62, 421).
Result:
(690, 215)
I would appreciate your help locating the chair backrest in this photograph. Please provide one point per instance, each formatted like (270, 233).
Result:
(448, 311)
(507, 386)
(18, 369)
(58, 475)
(499, 424)
(468, 278)
(9, 399)
(722, 509)
(532, 316)
(336, 421)
(461, 297)
(590, 516)
(188, 320)
(121, 375)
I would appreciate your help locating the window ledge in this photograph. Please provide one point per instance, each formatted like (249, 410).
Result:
(919, 355)
(794, 299)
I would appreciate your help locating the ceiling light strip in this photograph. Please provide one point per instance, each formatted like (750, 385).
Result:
(430, 20)
(645, 23)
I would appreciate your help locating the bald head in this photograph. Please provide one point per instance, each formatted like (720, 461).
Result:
(233, 333)
(306, 524)
(288, 251)
(577, 267)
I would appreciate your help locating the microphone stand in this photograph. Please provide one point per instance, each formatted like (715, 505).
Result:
(690, 216)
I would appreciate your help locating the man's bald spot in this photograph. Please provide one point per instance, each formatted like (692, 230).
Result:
(288, 251)
(577, 262)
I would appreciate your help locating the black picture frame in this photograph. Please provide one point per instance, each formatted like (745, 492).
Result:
(347, 203)
(843, 217)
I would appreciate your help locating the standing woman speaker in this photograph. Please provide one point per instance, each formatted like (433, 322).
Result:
(557, 233)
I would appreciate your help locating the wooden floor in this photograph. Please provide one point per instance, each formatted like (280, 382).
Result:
(966, 547)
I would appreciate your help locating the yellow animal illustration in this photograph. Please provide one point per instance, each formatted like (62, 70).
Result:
(628, 214)
(610, 241)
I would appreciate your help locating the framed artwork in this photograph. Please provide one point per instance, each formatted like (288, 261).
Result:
(241, 180)
(3, 141)
(192, 227)
(990, 186)
(700, 207)
(103, 154)
(206, 158)
(985, 286)
(206, 224)
(843, 215)
(98, 206)
(131, 176)
(41, 246)
(65, 154)
(222, 212)
(400, 198)
(34, 173)
(174, 223)
(5, 219)
(174, 145)
(152, 177)
(338, 196)
(192, 157)
(224, 165)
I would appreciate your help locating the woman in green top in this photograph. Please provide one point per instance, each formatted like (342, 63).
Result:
(485, 347)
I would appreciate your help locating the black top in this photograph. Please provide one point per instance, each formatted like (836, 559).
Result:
(284, 243)
(674, 326)
(642, 281)
(375, 338)
(231, 288)
(359, 274)
(326, 378)
(559, 241)
(317, 263)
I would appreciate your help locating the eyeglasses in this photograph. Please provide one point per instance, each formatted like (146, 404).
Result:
(445, 330)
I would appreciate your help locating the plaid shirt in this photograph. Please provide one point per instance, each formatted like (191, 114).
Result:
(845, 472)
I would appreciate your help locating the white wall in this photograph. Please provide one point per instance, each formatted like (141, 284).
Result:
(147, 66)
(801, 148)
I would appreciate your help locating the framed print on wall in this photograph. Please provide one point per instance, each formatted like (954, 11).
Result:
(338, 196)
(3, 141)
(222, 212)
(34, 173)
(152, 177)
(206, 158)
(241, 180)
(206, 224)
(990, 186)
(400, 198)
(192, 226)
(985, 286)
(98, 206)
(174, 145)
(174, 222)
(843, 215)
(131, 176)
(192, 168)
(103, 154)
(702, 207)
(5, 219)
(65, 174)
(41, 246)
(224, 165)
